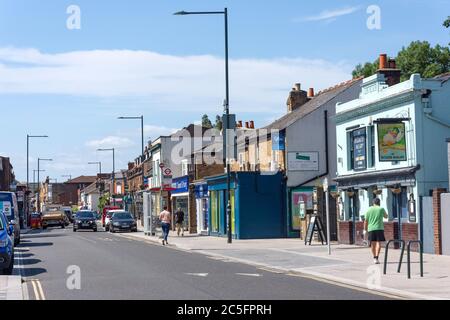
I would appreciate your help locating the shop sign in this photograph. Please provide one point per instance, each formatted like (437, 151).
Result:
(201, 191)
(303, 161)
(359, 149)
(181, 185)
(278, 141)
(391, 142)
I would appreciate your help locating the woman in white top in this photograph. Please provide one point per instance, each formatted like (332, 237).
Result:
(166, 220)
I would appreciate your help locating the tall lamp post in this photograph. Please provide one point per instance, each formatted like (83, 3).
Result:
(114, 172)
(141, 118)
(99, 165)
(28, 163)
(39, 183)
(226, 111)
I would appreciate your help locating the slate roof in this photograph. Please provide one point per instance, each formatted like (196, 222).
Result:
(319, 100)
(83, 180)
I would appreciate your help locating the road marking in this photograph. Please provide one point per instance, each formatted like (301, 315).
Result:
(249, 274)
(37, 288)
(203, 275)
(89, 240)
(40, 289)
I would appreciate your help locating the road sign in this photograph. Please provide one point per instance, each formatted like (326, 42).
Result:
(168, 172)
(162, 165)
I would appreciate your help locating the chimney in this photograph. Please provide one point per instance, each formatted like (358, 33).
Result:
(389, 69)
(239, 124)
(130, 165)
(252, 124)
(311, 93)
(246, 125)
(297, 98)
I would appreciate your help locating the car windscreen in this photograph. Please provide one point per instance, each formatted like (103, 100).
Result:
(85, 215)
(122, 215)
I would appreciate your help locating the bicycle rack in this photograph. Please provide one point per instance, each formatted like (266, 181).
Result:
(409, 257)
(403, 244)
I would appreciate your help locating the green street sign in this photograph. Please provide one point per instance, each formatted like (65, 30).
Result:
(304, 158)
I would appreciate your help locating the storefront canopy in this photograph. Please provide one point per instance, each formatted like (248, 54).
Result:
(404, 177)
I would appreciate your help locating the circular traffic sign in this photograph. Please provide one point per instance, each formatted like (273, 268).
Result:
(162, 165)
(167, 172)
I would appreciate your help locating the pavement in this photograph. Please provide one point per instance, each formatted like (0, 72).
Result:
(347, 265)
(59, 264)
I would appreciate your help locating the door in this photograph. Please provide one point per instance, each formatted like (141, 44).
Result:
(427, 224)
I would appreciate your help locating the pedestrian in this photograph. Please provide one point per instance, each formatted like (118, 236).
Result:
(166, 219)
(179, 220)
(374, 225)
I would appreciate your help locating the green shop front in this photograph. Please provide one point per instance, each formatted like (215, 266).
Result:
(257, 205)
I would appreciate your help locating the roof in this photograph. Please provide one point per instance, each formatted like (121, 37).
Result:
(443, 77)
(319, 100)
(83, 180)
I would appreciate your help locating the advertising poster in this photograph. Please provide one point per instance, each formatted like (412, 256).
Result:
(391, 142)
(301, 201)
(359, 147)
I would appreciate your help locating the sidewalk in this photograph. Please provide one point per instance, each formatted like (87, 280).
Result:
(348, 265)
(11, 288)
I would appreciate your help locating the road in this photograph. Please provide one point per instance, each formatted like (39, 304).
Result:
(112, 267)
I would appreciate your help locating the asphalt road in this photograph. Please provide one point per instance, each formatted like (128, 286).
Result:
(112, 267)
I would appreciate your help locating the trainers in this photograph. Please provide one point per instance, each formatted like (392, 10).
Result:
(376, 261)
(163, 243)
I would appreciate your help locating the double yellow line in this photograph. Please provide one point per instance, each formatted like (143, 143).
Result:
(37, 288)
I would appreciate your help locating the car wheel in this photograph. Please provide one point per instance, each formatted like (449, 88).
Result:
(74, 230)
(8, 271)
(63, 226)
(95, 230)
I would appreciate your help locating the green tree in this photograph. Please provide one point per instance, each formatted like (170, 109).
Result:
(447, 22)
(420, 57)
(206, 123)
(218, 124)
(103, 201)
(365, 70)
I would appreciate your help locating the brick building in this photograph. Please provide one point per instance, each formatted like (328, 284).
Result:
(6, 174)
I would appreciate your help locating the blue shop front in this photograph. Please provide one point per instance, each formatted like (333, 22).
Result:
(258, 208)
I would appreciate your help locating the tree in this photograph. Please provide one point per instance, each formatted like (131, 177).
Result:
(418, 57)
(447, 22)
(206, 123)
(218, 124)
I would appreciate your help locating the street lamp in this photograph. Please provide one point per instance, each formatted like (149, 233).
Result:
(99, 165)
(141, 118)
(226, 105)
(114, 171)
(28, 163)
(39, 183)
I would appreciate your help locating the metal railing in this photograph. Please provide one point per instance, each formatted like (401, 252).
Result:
(409, 257)
(403, 244)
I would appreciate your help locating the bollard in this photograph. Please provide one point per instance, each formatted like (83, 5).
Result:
(403, 244)
(409, 257)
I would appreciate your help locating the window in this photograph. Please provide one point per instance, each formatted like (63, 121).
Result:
(184, 168)
(350, 151)
(400, 204)
(371, 146)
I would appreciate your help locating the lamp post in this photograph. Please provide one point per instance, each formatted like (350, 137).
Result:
(141, 118)
(99, 165)
(226, 107)
(28, 164)
(114, 172)
(39, 183)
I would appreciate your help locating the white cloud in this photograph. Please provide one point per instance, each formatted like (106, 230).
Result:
(158, 131)
(110, 142)
(166, 83)
(331, 14)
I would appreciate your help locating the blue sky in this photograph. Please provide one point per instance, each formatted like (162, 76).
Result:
(134, 57)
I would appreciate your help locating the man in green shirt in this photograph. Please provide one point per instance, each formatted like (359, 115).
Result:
(374, 224)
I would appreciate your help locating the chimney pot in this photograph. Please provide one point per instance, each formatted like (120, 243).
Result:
(240, 123)
(252, 124)
(383, 61)
(311, 93)
(298, 87)
(246, 125)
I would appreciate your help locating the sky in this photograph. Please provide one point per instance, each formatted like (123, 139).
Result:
(134, 57)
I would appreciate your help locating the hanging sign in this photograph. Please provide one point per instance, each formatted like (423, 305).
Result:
(391, 142)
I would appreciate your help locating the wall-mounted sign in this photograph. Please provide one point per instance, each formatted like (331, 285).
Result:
(303, 161)
(391, 142)
(201, 191)
(181, 185)
(278, 141)
(359, 149)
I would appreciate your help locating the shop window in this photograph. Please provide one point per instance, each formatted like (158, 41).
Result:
(214, 211)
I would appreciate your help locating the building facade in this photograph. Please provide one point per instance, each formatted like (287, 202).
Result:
(391, 145)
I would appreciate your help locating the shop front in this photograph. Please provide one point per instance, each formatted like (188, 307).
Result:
(258, 209)
(180, 198)
(201, 206)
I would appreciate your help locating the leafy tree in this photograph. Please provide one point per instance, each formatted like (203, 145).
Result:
(419, 57)
(103, 201)
(447, 22)
(206, 123)
(218, 124)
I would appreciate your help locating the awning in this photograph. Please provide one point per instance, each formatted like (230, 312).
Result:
(404, 176)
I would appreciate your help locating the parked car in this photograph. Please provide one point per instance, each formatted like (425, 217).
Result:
(9, 207)
(122, 221)
(36, 220)
(54, 218)
(68, 213)
(85, 220)
(6, 246)
(105, 214)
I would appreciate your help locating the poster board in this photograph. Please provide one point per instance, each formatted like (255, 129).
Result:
(391, 142)
(303, 161)
(315, 225)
